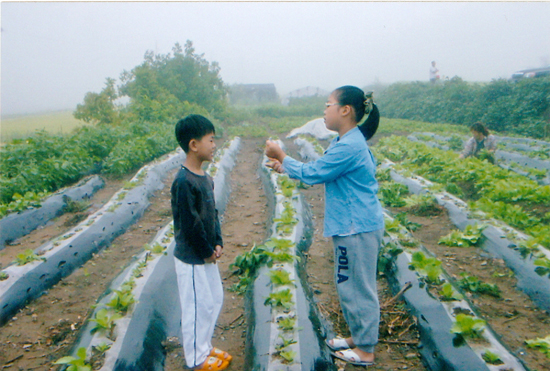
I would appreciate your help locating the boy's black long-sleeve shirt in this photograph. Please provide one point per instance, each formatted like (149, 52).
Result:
(196, 225)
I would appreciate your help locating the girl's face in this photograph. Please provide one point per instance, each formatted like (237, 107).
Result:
(477, 135)
(332, 113)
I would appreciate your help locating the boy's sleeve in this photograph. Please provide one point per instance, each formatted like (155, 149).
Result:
(191, 224)
(334, 163)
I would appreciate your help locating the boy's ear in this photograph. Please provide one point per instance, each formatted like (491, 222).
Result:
(192, 145)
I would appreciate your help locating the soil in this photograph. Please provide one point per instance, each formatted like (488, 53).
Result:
(45, 329)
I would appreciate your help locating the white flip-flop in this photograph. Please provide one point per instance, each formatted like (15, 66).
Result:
(350, 356)
(337, 344)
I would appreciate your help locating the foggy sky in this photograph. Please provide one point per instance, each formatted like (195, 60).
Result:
(53, 53)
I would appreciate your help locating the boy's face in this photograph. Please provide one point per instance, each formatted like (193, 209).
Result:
(205, 147)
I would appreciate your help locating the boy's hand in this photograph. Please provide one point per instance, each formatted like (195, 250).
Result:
(218, 251)
(211, 259)
(272, 150)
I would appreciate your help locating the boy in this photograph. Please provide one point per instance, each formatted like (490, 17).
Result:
(198, 244)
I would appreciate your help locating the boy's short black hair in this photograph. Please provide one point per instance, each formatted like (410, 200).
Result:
(192, 127)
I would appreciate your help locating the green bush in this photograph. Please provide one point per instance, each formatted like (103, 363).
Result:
(521, 108)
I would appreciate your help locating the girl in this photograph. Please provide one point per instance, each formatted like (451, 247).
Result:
(353, 216)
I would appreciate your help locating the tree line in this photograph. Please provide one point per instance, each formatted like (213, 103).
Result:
(504, 106)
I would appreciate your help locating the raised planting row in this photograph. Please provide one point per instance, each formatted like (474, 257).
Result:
(38, 213)
(530, 161)
(453, 337)
(35, 271)
(514, 199)
(135, 315)
(500, 240)
(284, 329)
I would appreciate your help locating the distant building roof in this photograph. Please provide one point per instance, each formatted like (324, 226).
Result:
(252, 93)
(308, 91)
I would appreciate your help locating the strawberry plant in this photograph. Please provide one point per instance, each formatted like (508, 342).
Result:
(282, 257)
(448, 293)
(392, 225)
(383, 175)
(455, 143)
(286, 221)
(104, 321)
(279, 277)
(287, 185)
(528, 247)
(121, 300)
(468, 326)
(423, 205)
(101, 348)
(542, 344)
(405, 222)
(543, 266)
(26, 257)
(285, 343)
(392, 194)
(407, 240)
(281, 299)
(157, 248)
(288, 355)
(278, 244)
(286, 323)
(247, 265)
(428, 268)
(492, 358)
(78, 363)
(471, 236)
(474, 284)
(387, 255)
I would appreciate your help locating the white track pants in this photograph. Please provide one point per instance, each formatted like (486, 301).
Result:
(201, 298)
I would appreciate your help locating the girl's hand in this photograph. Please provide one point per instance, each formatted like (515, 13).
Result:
(272, 150)
(275, 165)
(219, 251)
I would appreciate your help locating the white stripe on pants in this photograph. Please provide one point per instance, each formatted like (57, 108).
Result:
(201, 298)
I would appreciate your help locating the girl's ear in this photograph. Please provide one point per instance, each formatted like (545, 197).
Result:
(346, 110)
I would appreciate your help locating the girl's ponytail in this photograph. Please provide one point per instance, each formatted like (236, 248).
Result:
(369, 127)
(362, 104)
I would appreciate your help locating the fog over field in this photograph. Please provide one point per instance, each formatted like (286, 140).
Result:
(53, 53)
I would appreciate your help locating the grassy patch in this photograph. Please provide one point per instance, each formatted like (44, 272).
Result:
(22, 126)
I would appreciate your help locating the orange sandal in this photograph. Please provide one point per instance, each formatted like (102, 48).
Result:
(213, 364)
(221, 354)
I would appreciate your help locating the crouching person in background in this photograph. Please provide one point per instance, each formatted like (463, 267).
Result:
(482, 144)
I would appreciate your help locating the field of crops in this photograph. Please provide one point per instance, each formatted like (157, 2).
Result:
(22, 126)
(464, 272)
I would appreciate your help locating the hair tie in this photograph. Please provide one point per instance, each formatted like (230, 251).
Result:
(368, 102)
